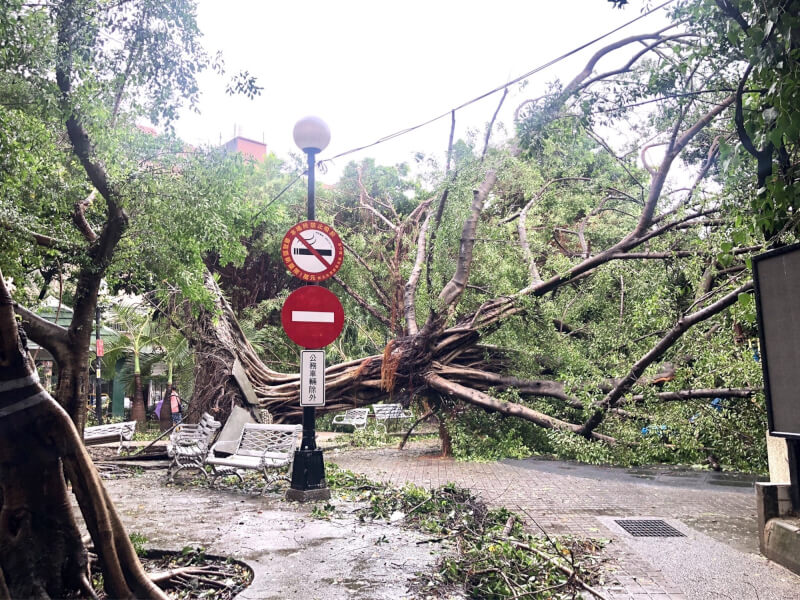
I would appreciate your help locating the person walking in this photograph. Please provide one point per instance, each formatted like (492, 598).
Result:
(175, 406)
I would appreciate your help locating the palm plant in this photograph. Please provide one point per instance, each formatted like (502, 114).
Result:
(178, 358)
(137, 334)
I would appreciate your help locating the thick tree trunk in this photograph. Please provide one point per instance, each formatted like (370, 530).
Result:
(445, 438)
(41, 553)
(72, 389)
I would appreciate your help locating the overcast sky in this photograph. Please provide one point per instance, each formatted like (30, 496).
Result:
(370, 68)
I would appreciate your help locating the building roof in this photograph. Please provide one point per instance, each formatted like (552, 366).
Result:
(250, 148)
(63, 316)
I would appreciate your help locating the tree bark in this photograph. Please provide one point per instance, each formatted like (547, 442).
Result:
(445, 438)
(41, 552)
(138, 409)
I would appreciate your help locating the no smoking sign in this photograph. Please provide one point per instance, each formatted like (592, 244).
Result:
(312, 251)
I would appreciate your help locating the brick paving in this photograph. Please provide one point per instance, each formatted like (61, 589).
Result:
(552, 498)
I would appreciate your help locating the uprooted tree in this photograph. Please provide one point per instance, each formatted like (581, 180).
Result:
(684, 207)
(503, 256)
(437, 357)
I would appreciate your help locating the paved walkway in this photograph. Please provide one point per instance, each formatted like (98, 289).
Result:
(718, 558)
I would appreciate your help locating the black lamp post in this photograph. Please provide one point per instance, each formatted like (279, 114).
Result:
(312, 135)
(98, 401)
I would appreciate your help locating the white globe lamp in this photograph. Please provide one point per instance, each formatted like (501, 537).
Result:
(312, 135)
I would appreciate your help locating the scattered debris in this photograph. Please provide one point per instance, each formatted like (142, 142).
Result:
(192, 574)
(491, 555)
(108, 470)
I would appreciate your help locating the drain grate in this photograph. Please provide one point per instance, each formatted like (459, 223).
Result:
(648, 528)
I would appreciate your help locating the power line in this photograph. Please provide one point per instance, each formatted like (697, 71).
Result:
(401, 132)
(554, 61)
(283, 191)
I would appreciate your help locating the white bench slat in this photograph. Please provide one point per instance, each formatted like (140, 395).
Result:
(189, 443)
(260, 447)
(356, 417)
(385, 412)
(109, 432)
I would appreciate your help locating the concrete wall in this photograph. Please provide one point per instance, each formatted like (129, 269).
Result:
(778, 457)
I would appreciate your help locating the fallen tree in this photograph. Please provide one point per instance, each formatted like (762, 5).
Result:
(443, 356)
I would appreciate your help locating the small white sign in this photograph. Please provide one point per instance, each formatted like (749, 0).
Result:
(312, 316)
(312, 378)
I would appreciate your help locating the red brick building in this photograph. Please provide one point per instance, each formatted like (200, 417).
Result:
(251, 148)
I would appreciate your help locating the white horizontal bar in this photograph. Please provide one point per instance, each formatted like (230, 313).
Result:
(310, 316)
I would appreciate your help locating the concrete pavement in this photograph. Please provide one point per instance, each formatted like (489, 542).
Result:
(293, 554)
(717, 558)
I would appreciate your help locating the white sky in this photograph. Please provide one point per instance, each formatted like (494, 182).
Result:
(369, 68)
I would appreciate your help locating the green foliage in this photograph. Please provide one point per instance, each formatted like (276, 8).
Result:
(752, 46)
(193, 555)
(322, 511)
(150, 70)
(569, 446)
(91, 419)
(139, 542)
(147, 435)
(181, 221)
(495, 557)
(372, 435)
(479, 436)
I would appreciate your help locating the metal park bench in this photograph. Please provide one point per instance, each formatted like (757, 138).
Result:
(391, 414)
(260, 447)
(189, 444)
(111, 432)
(355, 417)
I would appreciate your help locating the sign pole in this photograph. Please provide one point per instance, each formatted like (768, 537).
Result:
(98, 402)
(308, 469)
(310, 412)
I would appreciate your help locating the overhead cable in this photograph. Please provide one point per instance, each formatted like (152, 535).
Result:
(497, 89)
(452, 111)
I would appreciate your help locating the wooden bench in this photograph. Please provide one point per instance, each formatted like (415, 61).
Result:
(189, 444)
(391, 414)
(111, 432)
(355, 417)
(261, 447)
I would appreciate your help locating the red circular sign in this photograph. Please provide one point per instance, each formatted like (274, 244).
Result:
(312, 251)
(312, 317)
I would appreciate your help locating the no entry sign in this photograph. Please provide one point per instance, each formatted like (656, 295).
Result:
(312, 317)
(312, 251)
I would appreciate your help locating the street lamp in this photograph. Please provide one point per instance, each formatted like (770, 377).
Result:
(312, 136)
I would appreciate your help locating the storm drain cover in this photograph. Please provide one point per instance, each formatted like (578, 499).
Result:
(648, 528)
